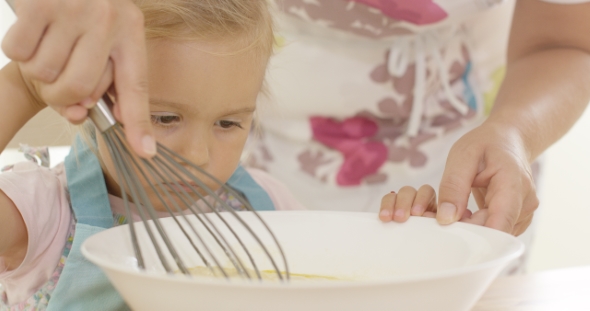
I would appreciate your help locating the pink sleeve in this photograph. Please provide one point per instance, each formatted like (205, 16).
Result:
(282, 198)
(41, 198)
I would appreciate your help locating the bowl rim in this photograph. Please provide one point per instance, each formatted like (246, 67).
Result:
(239, 283)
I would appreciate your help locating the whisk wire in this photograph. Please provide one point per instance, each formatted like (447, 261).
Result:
(181, 213)
(229, 209)
(170, 156)
(229, 251)
(136, 247)
(139, 195)
(153, 171)
(215, 233)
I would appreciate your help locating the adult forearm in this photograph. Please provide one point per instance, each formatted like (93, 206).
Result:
(543, 95)
(17, 105)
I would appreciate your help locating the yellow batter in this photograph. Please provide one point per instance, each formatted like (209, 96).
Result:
(267, 275)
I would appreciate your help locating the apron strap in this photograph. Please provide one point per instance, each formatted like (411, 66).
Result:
(87, 188)
(246, 185)
(82, 285)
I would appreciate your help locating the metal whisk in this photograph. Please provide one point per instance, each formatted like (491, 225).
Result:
(176, 189)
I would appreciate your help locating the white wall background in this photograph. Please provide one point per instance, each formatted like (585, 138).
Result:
(563, 233)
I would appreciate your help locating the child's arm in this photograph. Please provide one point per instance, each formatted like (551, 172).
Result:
(409, 201)
(13, 234)
(17, 104)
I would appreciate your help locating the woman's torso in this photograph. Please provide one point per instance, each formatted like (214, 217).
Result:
(362, 103)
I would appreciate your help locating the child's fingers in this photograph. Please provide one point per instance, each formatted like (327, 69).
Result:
(387, 204)
(403, 204)
(425, 201)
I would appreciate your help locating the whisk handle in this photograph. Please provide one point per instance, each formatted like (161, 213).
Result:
(101, 114)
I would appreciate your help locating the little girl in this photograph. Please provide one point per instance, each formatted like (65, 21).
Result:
(207, 61)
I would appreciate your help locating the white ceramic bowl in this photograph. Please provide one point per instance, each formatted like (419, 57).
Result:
(417, 265)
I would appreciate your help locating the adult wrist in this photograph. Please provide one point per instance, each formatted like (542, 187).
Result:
(513, 134)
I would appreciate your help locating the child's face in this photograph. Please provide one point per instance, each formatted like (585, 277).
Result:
(202, 104)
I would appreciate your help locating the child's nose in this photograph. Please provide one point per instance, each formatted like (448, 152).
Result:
(196, 150)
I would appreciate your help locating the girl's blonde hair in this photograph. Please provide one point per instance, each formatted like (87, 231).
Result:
(247, 22)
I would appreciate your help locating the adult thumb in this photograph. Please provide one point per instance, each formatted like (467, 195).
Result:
(455, 186)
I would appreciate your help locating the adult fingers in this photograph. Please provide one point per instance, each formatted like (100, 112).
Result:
(130, 61)
(504, 203)
(53, 53)
(82, 73)
(477, 218)
(481, 217)
(461, 168)
(75, 114)
(521, 226)
(479, 194)
(22, 39)
(466, 215)
(103, 85)
(531, 203)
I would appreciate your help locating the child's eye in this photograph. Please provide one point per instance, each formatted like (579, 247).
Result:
(165, 120)
(227, 124)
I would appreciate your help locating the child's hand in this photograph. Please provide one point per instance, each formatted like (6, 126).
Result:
(71, 51)
(409, 201)
(399, 206)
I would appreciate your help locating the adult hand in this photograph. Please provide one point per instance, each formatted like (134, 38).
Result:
(72, 51)
(491, 162)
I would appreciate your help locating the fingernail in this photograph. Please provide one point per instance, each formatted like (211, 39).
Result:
(417, 209)
(149, 145)
(392, 191)
(385, 214)
(446, 213)
(88, 103)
